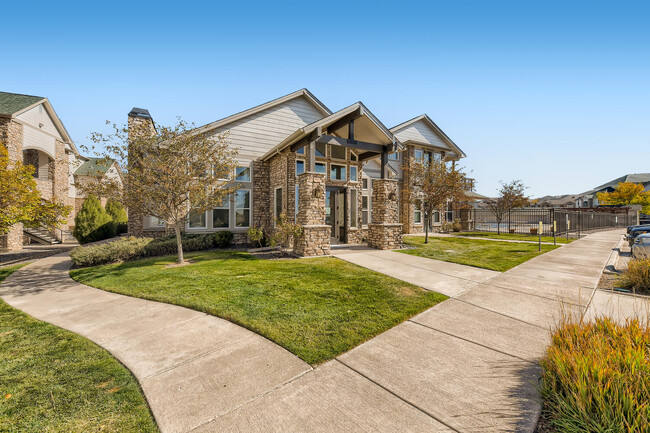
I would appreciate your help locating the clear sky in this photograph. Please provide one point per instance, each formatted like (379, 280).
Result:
(556, 93)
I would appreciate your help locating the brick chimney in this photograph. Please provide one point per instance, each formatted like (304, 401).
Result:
(139, 122)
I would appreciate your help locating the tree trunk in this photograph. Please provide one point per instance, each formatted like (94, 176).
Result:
(498, 226)
(426, 229)
(179, 244)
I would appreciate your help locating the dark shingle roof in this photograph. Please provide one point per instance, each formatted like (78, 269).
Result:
(643, 178)
(93, 167)
(11, 103)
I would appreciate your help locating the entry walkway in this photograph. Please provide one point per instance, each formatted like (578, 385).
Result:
(468, 364)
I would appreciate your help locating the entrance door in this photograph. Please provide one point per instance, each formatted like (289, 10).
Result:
(335, 213)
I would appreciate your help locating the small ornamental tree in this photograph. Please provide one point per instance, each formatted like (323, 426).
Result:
(20, 200)
(116, 211)
(92, 223)
(435, 184)
(171, 171)
(511, 195)
(627, 193)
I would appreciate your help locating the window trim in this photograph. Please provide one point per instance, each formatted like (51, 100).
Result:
(356, 173)
(250, 173)
(396, 158)
(275, 203)
(345, 153)
(249, 208)
(205, 225)
(229, 207)
(344, 171)
(304, 167)
(321, 164)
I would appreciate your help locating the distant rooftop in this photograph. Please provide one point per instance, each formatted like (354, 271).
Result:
(93, 167)
(633, 177)
(11, 103)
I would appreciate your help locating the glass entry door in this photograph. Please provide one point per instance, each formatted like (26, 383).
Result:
(335, 213)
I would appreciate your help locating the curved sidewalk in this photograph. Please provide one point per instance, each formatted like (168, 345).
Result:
(192, 367)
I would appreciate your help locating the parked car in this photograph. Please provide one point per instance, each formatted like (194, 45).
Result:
(636, 232)
(630, 228)
(641, 246)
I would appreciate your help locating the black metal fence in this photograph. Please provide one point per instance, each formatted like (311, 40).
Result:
(554, 221)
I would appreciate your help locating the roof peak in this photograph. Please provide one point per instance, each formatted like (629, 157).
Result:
(140, 112)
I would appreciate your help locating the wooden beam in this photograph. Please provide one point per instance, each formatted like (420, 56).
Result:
(352, 144)
(351, 130)
(367, 155)
(300, 143)
(384, 162)
(312, 157)
(344, 120)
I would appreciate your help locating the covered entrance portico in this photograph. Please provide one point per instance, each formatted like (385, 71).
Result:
(329, 190)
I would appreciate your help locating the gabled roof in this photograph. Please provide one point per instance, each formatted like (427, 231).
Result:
(15, 103)
(436, 129)
(329, 120)
(94, 167)
(226, 120)
(633, 177)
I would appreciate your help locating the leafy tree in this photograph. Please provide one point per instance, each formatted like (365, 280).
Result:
(511, 195)
(117, 212)
(20, 200)
(171, 171)
(627, 193)
(435, 183)
(92, 223)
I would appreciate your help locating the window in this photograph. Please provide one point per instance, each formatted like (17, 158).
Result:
(337, 152)
(337, 172)
(354, 208)
(353, 157)
(393, 156)
(419, 154)
(295, 217)
(436, 217)
(197, 220)
(300, 167)
(450, 212)
(243, 174)
(277, 209)
(417, 214)
(243, 208)
(152, 222)
(353, 173)
(320, 149)
(320, 167)
(221, 173)
(365, 209)
(364, 183)
(301, 151)
(221, 214)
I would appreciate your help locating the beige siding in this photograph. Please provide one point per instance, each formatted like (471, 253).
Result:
(422, 133)
(38, 116)
(257, 134)
(34, 138)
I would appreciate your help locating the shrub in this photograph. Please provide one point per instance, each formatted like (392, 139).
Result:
(256, 234)
(597, 377)
(92, 223)
(456, 225)
(286, 232)
(637, 275)
(118, 214)
(223, 239)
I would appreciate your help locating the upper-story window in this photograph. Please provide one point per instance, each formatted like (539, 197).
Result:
(320, 167)
(353, 173)
(300, 167)
(243, 174)
(393, 156)
(321, 148)
(301, 151)
(353, 157)
(337, 152)
(337, 172)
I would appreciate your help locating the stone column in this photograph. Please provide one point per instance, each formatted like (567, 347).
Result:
(11, 136)
(139, 122)
(315, 239)
(385, 232)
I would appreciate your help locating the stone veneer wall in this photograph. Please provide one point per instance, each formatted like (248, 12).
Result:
(261, 191)
(135, 224)
(11, 136)
(385, 232)
(315, 239)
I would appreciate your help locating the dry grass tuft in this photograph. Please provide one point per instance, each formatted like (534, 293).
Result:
(637, 276)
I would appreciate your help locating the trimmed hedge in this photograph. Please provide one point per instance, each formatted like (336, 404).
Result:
(133, 248)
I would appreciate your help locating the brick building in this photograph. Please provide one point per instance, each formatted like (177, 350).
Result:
(340, 175)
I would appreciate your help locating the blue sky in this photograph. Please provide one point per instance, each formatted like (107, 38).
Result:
(556, 93)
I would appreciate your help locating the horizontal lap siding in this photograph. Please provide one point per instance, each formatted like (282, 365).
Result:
(35, 117)
(257, 134)
(421, 132)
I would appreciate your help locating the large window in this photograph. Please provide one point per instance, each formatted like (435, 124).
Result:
(337, 172)
(320, 167)
(301, 151)
(277, 209)
(300, 167)
(321, 149)
(221, 214)
(337, 152)
(353, 173)
(197, 220)
(243, 174)
(419, 154)
(243, 208)
(354, 208)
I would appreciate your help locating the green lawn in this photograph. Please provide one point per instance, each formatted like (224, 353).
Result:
(514, 236)
(495, 255)
(316, 308)
(52, 380)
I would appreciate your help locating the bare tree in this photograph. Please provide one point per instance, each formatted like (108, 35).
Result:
(511, 195)
(435, 183)
(171, 172)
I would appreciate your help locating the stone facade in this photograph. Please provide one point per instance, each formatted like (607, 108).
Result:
(261, 194)
(385, 232)
(315, 239)
(11, 136)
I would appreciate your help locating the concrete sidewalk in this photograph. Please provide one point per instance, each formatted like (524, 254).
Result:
(468, 364)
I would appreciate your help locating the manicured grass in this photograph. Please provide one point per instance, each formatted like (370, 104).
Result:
(597, 378)
(495, 255)
(52, 380)
(316, 308)
(514, 237)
